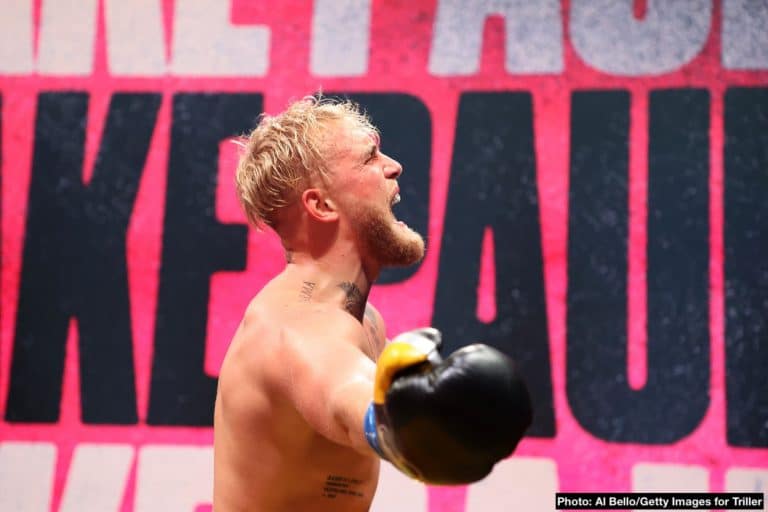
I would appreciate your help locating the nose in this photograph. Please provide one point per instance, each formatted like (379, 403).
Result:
(392, 169)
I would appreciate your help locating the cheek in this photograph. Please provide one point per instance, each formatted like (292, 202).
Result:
(364, 186)
(368, 186)
(356, 196)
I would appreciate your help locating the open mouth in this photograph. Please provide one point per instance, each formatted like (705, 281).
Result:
(395, 200)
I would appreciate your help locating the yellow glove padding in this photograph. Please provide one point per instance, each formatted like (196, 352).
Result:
(409, 349)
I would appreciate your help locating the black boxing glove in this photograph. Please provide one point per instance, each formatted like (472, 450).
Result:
(446, 422)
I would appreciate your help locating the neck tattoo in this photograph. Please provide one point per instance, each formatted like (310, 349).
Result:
(305, 295)
(354, 302)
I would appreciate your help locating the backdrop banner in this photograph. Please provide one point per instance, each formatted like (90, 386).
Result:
(591, 177)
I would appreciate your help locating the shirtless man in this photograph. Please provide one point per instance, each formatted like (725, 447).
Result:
(297, 383)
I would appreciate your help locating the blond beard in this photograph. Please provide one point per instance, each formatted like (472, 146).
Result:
(390, 244)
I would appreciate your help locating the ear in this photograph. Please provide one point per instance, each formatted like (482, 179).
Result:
(319, 207)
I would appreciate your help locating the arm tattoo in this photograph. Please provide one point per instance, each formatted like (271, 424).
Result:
(372, 332)
(306, 291)
(336, 485)
(354, 301)
(372, 321)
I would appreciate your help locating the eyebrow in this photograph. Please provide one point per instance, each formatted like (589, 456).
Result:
(371, 151)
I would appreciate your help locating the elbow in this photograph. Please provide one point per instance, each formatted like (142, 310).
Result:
(348, 430)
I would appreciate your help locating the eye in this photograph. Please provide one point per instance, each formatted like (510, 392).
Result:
(371, 155)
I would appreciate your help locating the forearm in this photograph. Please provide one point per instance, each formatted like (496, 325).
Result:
(350, 403)
(330, 382)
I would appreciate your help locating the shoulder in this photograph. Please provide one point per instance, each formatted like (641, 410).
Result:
(322, 346)
(299, 327)
(255, 336)
(376, 329)
(274, 347)
(372, 315)
(319, 326)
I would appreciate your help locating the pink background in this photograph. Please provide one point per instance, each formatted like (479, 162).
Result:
(400, 39)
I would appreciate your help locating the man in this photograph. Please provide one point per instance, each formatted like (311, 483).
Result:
(295, 427)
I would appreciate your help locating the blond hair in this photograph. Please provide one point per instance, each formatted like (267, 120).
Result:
(285, 152)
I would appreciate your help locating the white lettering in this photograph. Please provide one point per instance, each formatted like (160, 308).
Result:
(26, 476)
(534, 37)
(745, 34)
(398, 492)
(535, 484)
(206, 43)
(607, 36)
(746, 480)
(340, 37)
(134, 33)
(663, 477)
(16, 37)
(173, 478)
(97, 478)
(67, 31)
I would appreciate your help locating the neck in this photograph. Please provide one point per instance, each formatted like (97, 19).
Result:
(338, 276)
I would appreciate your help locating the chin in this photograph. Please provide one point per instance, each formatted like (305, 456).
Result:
(401, 247)
(390, 242)
(412, 248)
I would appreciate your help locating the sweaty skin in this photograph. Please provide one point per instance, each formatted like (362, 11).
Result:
(298, 375)
(268, 454)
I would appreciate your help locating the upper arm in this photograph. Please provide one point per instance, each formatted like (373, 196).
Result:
(375, 327)
(328, 379)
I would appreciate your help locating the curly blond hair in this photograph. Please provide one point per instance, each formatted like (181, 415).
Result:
(285, 152)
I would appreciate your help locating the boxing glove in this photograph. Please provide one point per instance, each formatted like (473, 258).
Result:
(445, 421)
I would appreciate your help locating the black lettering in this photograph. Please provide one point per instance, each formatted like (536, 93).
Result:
(746, 265)
(677, 268)
(195, 245)
(75, 260)
(493, 184)
(340, 485)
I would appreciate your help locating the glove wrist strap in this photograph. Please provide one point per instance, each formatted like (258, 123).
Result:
(369, 427)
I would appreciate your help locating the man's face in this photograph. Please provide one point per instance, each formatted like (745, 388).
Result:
(364, 184)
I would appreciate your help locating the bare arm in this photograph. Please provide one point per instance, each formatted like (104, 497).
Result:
(327, 377)
(377, 331)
